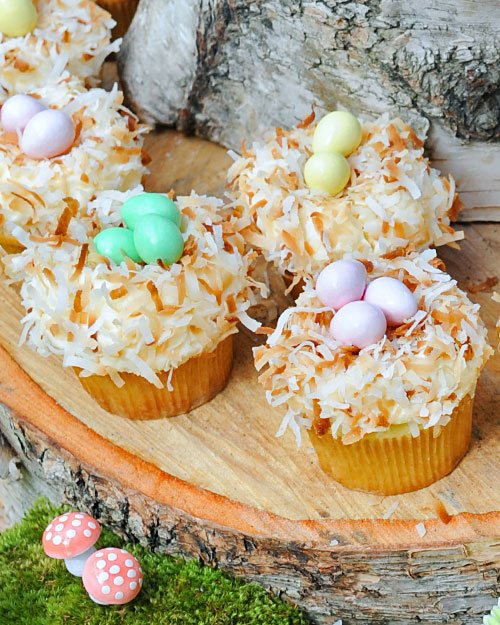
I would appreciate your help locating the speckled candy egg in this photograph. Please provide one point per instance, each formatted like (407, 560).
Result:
(393, 297)
(358, 324)
(341, 282)
(18, 110)
(48, 134)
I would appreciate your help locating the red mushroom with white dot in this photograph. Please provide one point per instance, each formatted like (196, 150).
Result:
(112, 576)
(71, 537)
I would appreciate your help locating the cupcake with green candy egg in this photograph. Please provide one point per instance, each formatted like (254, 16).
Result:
(307, 196)
(144, 310)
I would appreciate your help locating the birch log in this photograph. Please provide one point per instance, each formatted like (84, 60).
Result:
(230, 69)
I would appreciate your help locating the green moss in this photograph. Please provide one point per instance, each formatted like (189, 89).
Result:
(36, 590)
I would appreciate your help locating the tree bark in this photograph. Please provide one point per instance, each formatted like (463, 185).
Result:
(455, 584)
(230, 69)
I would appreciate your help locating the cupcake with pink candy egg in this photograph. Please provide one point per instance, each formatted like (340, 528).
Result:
(60, 144)
(378, 362)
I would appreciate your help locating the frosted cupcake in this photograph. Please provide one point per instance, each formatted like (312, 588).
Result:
(148, 338)
(309, 195)
(378, 362)
(43, 41)
(59, 145)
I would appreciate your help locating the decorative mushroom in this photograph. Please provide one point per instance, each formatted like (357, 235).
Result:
(112, 576)
(71, 537)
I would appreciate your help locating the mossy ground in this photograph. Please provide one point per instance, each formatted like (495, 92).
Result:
(35, 590)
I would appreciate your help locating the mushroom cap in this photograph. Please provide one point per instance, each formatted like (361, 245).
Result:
(70, 534)
(112, 576)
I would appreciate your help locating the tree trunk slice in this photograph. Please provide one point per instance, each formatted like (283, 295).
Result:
(231, 70)
(216, 484)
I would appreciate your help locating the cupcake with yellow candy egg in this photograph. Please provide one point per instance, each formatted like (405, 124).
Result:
(59, 145)
(43, 41)
(143, 310)
(378, 362)
(309, 195)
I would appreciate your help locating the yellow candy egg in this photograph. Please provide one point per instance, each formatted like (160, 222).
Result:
(17, 17)
(339, 131)
(327, 171)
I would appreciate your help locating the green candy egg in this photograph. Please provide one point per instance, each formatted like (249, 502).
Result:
(327, 171)
(158, 238)
(339, 131)
(116, 244)
(134, 209)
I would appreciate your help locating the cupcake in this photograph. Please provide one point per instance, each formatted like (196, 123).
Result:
(310, 195)
(43, 41)
(148, 338)
(378, 361)
(43, 182)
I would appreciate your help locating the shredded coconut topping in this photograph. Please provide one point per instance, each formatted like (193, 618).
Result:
(71, 36)
(415, 375)
(393, 203)
(107, 154)
(142, 319)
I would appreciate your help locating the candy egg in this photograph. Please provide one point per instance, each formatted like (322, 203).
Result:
(158, 238)
(339, 131)
(393, 297)
(327, 171)
(17, 17)
(341, 282)
(134, 209)
(48, 134)
(116, 244)
(359, 324)
(17, 112)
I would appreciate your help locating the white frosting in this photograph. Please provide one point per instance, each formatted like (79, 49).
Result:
(394, 199)
(416, 375)
(71, 36)
(142, 319)
(107, 154)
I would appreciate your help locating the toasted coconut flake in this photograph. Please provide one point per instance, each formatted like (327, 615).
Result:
(128, 317)
(415, 375)
(394, 202)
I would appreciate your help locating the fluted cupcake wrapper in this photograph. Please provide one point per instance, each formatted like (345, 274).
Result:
(395, 464)
(194, 383)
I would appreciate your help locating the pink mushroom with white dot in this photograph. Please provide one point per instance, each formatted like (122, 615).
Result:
(363, 309)
(71, 537)
(112, 576)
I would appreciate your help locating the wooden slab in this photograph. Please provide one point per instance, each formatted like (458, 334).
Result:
(218, 484)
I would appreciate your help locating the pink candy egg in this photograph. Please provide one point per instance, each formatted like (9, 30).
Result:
(48, 134)
(359, 324)
(393, 297)
(341, 282)
(17, 112)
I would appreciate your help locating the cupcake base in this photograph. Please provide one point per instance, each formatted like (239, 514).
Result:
(194, 383)
(392, 463)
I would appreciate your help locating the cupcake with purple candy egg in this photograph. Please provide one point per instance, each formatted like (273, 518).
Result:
(378, 362)
(59, 145)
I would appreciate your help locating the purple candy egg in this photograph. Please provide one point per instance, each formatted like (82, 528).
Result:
(341, 282)
(48, 134)
(393, 297)
(358, 324)
(18, 110)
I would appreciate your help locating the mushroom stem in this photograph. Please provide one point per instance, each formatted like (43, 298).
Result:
(75, 565)
(97, 601)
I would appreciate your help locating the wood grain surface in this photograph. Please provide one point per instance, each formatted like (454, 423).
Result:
(202, 483)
